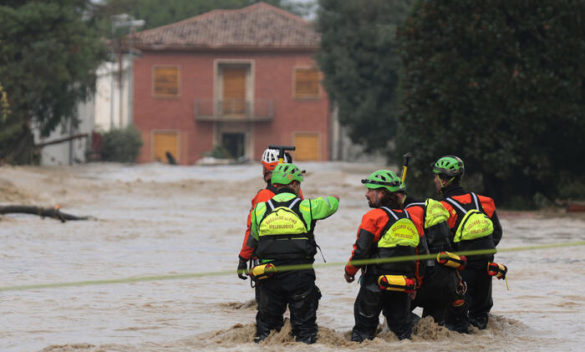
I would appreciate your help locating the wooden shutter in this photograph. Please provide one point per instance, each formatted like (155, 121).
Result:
(166, 141)
(307, 82)
(307, 146)
(166, 81)
(234, 90)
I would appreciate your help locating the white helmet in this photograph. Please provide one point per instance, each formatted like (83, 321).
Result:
(270, 158)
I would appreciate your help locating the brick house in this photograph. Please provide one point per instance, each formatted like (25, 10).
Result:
(242, 79)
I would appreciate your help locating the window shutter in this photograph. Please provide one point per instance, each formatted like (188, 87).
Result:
(166, 81)
(307, 83)
(307, 146)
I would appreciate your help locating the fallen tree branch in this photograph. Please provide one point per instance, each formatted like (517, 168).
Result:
(54, 213)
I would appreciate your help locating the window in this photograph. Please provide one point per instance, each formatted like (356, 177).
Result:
(166, 81)
(307, 145)
(306, 81)
(234, 89)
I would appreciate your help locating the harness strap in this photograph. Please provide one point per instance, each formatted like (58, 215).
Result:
(456, 204)
(294, 202)
(475, 200)
(394, 214)
(290, 206)
(415, 204)
(320, 251)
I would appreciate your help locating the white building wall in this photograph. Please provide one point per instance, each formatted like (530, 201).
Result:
(111, 106)
(72, 151)
(97, 114)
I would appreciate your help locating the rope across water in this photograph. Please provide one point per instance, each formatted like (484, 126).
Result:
(32, 287)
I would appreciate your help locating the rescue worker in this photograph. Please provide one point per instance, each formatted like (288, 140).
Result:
(282, 234)
(474, 225)
(385, 231)
(443, 288)
(270, 159)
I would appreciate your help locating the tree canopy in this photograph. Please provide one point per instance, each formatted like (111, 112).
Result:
(48, 57)
(502, 85)
(361, 64)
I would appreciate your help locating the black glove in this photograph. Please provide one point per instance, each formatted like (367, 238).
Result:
(243, 269)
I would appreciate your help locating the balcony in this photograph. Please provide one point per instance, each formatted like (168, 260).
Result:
(234, 110)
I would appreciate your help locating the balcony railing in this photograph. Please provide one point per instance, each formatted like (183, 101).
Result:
(234, 110)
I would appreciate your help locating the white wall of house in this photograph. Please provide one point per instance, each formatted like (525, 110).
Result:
(69, 152)
(106, 110)
(112, 95)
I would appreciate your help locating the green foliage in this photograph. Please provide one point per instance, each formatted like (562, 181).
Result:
(121, 145)
(501, 84)
(361, 64)
(572, 187)
(16, 142)
(4, 105)
(219, 152)
(48, 57)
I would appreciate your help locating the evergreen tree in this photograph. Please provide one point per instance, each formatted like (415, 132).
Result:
(48, 57)
(501, 84)
(361, 64)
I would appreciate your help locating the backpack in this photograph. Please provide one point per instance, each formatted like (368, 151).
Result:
(400, 232)
(474, 224)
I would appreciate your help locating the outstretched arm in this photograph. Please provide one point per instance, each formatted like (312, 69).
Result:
(322, 207)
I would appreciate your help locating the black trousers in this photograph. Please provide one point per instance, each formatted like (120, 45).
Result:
(479, 292)
(371, 300)
(295, 289)
(439, 293)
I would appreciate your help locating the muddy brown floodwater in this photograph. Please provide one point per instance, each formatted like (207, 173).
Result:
(156, 220)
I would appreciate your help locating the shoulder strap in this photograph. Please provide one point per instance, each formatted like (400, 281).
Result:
(415, 204)
(393, 213)
(294, 202)
(290, 204)
(475, 200)
(456, 204)
(389, 211)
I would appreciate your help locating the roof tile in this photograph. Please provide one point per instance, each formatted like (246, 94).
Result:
(259, 26)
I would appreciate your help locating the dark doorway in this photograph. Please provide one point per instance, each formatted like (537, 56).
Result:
(234, 143)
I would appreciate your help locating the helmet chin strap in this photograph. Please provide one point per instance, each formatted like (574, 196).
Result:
(444, 184)
(449, 182)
